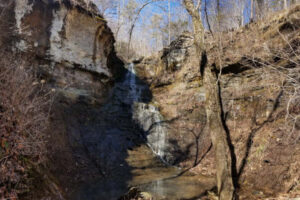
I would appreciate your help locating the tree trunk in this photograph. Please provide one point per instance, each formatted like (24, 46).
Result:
(219, 15)
(242, 20)
(293, 2)
(260, 8)
(169, 25)
(218, 136)
(285, 4)
(197, 25)
(214, 112)
(252, 11)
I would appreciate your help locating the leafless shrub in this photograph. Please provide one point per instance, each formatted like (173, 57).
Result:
(24, 108)
(277, 61)
(285, 65)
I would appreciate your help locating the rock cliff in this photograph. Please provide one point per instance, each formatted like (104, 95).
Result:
(68, 41)
(107, 118)
(256, 64)
(70, 48)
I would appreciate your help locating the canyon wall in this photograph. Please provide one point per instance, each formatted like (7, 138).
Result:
(68, 41)
(70, 48)
(256, 65)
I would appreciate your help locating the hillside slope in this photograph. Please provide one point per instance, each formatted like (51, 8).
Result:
(113, 126)
(260, 95)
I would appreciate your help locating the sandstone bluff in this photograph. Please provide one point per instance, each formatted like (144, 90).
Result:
(116, 125)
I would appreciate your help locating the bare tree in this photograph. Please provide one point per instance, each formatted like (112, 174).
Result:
(137, 15)
(24, 119)
(157, 30)
(169, 20)
(106, 6)
(252, 10)
(215, 122)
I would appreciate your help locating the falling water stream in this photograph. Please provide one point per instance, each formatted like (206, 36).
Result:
(148, 117)
(126, 165)
(133, 93)
(162, 181)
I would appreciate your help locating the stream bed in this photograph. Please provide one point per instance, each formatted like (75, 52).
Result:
(149, 175)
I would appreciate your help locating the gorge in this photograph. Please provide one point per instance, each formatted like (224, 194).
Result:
(136, 129)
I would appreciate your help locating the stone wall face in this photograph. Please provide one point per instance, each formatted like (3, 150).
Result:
(253, 97)
(70, 43)
(177, 89)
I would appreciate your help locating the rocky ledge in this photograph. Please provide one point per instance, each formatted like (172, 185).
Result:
(68, 41)
(258, 63)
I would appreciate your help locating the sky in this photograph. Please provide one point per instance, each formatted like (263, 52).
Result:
(142, 30)
(176, 5)
(161, 7)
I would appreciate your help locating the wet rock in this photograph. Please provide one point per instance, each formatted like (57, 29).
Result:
(178, 94)
(153, 125)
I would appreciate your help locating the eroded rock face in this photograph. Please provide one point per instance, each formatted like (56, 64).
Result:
(253, 98)
(178, 93)
(70, 42)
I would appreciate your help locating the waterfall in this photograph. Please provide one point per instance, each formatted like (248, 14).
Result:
(133, 94)
(147, 116)
(159, 133)
(151, 121)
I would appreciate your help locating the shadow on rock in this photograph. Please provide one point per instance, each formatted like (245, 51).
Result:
(93, 141)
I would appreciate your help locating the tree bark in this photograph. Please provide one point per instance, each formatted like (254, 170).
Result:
(293, 2)
(197, 25)
(252, 10)
(213, 108)
(260, 8)
(218, 136)
(218, 15)
(169, 21)
(285, 6)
